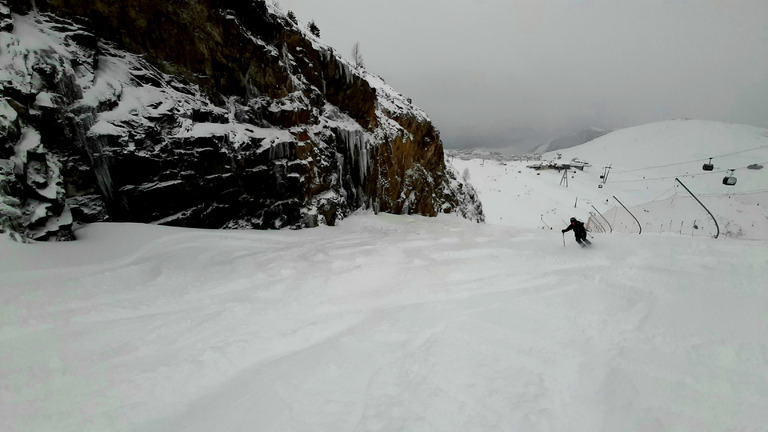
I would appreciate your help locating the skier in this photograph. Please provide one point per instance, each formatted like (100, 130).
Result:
(579, 231)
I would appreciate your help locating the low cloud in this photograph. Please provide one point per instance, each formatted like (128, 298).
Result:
(498, 71)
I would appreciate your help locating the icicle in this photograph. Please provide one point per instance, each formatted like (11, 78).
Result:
(94, 147)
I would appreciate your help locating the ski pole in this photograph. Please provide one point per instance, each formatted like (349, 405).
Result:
(563, 239)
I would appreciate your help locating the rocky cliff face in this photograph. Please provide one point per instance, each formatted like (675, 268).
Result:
(203, 114)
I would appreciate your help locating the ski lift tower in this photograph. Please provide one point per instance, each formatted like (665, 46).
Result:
(606, 171)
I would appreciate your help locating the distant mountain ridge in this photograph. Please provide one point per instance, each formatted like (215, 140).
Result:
(572, 140)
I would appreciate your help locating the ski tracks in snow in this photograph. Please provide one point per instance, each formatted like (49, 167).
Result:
(386, 323)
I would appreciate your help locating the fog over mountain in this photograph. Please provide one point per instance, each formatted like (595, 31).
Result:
(574, 139)
(520, 73)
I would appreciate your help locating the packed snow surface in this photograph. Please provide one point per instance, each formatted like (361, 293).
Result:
(383, 323)
(391, 323)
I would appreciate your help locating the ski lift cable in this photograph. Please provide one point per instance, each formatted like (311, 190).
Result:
(736, 193)
(669, 177)
(716, 194)
(664, 193)
(685, 175)
(691, 161)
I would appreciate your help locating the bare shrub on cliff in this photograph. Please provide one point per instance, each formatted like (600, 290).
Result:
(357, 56)
(313, 28)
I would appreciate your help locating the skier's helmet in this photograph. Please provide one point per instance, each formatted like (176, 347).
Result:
(573, 219)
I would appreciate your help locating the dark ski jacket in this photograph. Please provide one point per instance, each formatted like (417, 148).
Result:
(578, 229)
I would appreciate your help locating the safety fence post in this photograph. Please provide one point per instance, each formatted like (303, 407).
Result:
(705, 207)
(630, 213)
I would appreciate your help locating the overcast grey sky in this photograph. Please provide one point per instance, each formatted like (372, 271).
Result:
(517, 72)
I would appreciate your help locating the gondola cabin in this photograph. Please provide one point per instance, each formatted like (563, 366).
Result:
(729, 180)
(708, 166)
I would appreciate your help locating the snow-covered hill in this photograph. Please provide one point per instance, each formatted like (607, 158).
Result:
(644, 161)
(391, 323)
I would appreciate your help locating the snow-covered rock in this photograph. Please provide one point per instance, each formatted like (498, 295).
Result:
(227, 114)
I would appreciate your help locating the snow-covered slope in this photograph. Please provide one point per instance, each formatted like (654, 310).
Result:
(686, 143)
(644, 161)
(391, 323)
(384, 323)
